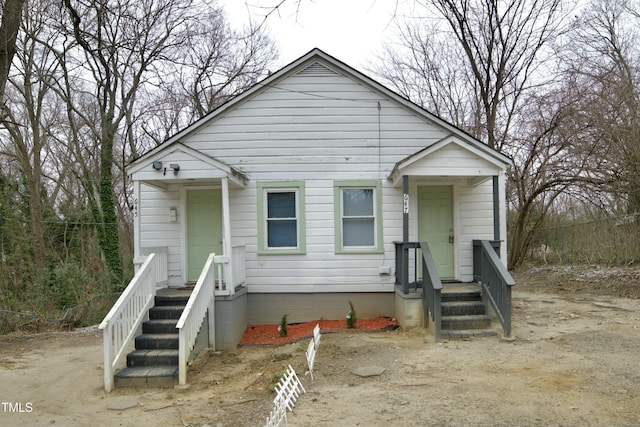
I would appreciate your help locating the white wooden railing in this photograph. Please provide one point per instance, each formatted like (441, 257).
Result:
(201, 300)
(238, 265)
(162, 264)
(120, 325)
(228, 277)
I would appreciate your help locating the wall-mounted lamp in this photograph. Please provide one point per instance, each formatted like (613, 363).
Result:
(175, 167)
(156, 165)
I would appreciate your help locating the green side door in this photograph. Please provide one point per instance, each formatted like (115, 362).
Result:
(204, 228)
(435, 225)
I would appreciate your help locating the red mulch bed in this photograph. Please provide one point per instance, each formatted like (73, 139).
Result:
(269, 335)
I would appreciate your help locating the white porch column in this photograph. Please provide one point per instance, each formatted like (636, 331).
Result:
(226, 232)
(136, 226)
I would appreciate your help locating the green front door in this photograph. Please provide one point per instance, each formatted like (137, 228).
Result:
(435, 225)
(204, 229)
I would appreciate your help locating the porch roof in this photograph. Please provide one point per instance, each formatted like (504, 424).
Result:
(451, 156)
(180, 164)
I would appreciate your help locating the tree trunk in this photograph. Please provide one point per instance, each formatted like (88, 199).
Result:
(8, 33)
(109, 235)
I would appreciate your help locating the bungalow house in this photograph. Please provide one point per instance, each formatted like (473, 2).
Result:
(315, 188)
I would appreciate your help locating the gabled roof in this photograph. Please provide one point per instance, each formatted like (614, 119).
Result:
(153, 168)
(481, 163)
(319, 56)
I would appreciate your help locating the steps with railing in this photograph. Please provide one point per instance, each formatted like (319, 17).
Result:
(121, 324)
(154, 362)
(464, 314)
(457, 314)
(221, 276)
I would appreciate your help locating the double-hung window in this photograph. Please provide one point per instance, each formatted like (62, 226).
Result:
(281, 219)
(358, 216)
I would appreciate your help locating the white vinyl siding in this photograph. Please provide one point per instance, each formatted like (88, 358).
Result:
(158, 230)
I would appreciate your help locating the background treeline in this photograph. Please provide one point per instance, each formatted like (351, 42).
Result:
(87, 85)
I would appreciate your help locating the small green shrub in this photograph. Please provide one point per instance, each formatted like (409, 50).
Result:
(351, 317)
(274, 382)
(68, 285)
(282, 329)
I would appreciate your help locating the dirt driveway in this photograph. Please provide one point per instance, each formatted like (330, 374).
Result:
(573, 361)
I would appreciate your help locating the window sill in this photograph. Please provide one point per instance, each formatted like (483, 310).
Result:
(282, 252)
(359, 251)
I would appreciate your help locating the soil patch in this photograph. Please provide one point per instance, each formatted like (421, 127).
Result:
(270, 334)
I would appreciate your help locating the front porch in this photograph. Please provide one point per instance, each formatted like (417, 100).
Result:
(452, 309)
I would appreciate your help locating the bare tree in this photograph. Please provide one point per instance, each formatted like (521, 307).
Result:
(492, 49)
(32, 117)
(420, 66)
(121, 43)
(216, 64)
(550, 160)
(604, 61)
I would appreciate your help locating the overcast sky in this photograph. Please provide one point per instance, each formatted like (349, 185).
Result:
(350, 30)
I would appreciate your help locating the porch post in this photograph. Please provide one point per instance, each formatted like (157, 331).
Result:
(226, 233)
(496, 209)
(405, 208)
(136, 225)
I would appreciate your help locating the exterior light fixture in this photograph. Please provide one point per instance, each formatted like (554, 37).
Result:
(157, 165)
(175, 167)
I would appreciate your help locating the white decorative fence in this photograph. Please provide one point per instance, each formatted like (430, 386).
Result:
(312, 349)
(288, 389)
(127, 314)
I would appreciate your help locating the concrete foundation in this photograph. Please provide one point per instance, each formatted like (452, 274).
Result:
(231, 319)
(264, 309)
(409, 311)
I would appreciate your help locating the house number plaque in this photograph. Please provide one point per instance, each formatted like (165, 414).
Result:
(405, 203)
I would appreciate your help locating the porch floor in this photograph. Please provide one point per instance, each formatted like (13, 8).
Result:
(451, 287)
(175, 292)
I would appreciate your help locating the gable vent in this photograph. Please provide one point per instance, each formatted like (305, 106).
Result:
(317, 69)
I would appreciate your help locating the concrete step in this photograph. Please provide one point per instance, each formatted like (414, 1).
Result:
(473, 295)
(160, 326)
(173, 296)
(467, 333)
(151, 376)
(146, 357)
(166, 312)
(463, 308)
(475, 321)
(157, 341)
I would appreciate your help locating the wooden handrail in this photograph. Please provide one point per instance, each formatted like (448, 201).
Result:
(431, 290)
(201, 300)
(495, 280)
